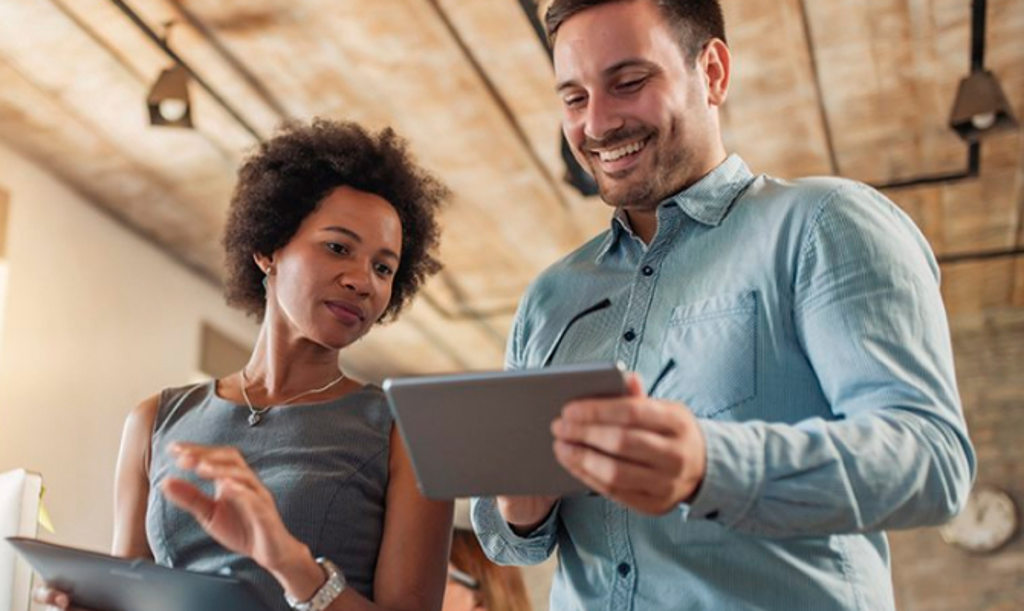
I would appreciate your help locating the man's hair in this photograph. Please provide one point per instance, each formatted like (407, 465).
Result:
(695, 22)
(285, 179)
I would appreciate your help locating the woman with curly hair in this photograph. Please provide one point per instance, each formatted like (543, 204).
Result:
(287, 473)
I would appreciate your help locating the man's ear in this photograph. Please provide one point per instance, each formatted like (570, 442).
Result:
(716, 61)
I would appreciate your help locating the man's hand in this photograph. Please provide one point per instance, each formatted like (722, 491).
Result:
(645, 453)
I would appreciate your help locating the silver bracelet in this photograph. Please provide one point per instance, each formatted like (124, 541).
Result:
(324, 596)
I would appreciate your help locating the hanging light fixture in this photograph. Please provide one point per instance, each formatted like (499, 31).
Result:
(168, 99)
(981, 107)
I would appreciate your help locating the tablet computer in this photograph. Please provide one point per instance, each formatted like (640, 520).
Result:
(484, 434)
(109, 583)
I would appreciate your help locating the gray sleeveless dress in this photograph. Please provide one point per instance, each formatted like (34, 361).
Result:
(325, 463)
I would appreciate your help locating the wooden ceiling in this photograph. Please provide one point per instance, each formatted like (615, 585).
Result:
(862, 90)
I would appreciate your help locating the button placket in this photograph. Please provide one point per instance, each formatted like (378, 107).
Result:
(617, 520)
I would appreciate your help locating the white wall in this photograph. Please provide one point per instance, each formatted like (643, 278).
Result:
(96, 319)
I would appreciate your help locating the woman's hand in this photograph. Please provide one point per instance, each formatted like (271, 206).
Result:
(242, 515)
(54, 598)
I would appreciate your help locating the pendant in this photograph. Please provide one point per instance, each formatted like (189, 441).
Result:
(255, 418)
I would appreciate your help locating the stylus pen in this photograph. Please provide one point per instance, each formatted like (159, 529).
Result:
(650, 392)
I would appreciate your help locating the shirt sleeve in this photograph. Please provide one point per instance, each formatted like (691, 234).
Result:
(870, 318)
(496, 538)
(502, 545)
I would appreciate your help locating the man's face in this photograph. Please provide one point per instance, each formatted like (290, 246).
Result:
(636, 112)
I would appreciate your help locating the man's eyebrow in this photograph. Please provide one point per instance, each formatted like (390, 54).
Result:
(632, 62)
(387, 252)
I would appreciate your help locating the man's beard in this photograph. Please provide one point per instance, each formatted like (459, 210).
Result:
(639, 192)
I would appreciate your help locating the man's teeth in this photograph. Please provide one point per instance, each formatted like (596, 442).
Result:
(621, 152)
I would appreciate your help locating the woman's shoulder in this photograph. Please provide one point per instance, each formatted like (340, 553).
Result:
(159, 407)
(372, 403)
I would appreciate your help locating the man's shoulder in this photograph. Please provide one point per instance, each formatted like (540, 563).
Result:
(810, 194)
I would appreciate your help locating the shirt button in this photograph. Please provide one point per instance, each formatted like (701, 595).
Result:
(623, 569)
(647, 270)
(629, 335)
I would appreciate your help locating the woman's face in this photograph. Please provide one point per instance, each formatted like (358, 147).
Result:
(332, 281)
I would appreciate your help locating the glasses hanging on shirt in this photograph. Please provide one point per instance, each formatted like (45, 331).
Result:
(597, 307)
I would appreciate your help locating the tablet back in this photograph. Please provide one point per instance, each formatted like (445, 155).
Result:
(99, 581)
(483, 434)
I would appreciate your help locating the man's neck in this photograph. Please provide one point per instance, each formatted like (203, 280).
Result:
(644, 223)
(644, 220)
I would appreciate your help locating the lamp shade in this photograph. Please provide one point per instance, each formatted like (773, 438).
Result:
(168, 100)
(980, 107)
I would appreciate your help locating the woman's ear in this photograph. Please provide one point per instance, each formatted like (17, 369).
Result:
(264, 262)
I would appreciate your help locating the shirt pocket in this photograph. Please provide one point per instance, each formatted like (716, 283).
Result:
(714, 345)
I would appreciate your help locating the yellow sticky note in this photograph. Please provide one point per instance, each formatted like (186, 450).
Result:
(44, 516)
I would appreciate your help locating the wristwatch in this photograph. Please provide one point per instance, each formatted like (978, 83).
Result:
(323, 597)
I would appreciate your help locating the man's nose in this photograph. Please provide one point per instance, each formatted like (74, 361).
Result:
(602, 118)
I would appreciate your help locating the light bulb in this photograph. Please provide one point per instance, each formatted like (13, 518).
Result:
(172, 109)
(983, 120)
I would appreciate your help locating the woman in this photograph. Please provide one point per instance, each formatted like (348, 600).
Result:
(477, 584)
(287, 473)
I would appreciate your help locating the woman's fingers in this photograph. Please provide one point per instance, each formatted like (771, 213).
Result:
(216, 452)
(189, 498)
(216, 463)
(54, 599)
(49, 596)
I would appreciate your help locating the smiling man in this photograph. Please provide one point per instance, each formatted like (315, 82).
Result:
(805, 399)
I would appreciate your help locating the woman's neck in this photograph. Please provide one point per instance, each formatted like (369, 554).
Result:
(282, 364)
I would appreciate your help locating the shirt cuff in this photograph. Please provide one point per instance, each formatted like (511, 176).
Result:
(487, 520)
(734, 475)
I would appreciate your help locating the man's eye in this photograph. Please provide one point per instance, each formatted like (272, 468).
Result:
(573, 101)
(632, 85)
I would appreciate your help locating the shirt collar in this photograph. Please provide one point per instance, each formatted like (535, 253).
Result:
(706, 201)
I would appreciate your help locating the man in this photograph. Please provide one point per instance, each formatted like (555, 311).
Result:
(805, 400)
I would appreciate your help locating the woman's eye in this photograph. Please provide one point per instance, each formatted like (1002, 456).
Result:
(337, 248)
(384, 270)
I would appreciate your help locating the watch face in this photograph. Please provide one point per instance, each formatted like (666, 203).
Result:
(987, 522)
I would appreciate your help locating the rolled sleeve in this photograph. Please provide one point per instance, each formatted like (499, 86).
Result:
(502, 545)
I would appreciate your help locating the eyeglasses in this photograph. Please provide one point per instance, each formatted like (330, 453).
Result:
(601, 305)
(464, 579)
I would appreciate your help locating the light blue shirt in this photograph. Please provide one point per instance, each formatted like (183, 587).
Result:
(810, 340)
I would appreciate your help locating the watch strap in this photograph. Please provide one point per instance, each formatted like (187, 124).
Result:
(325, 595)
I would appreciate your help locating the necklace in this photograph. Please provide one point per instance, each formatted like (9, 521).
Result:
(256, 413)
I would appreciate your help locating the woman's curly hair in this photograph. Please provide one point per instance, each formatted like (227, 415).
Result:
(285, 179)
